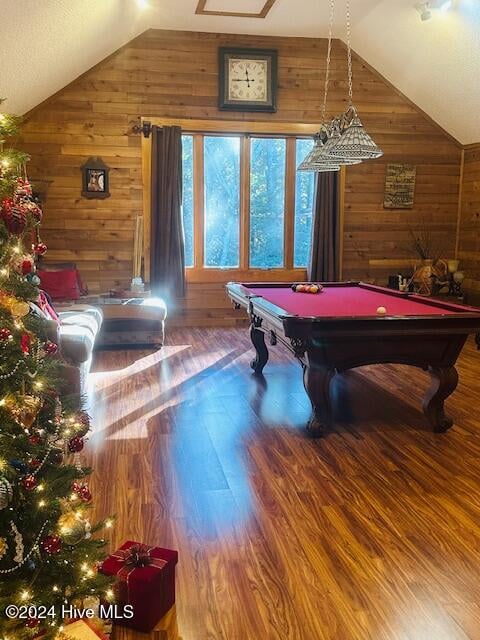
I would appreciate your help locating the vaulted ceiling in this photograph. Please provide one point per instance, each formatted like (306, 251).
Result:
(46, 44)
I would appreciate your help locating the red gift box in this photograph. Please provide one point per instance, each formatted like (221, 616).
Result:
(146, 582)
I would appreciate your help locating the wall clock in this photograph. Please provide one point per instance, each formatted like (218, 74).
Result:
(247, 79)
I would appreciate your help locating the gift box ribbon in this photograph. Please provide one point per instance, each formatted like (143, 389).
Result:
(135, 557)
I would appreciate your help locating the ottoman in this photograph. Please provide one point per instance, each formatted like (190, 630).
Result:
(136, 322)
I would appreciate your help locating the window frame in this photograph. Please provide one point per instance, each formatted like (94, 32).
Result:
(247, 130)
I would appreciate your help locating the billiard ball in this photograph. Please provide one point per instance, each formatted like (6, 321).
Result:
(300, 288)
(381, 311)
(314, 288)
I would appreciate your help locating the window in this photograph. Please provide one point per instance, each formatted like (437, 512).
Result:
(222, 201)
(267, 202)
(187, 204)
(244, 204)
(304, 187)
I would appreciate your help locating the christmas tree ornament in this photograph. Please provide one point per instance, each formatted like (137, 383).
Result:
(85, 494)
(15, 219)
(40, 248)
(6, 205)
(71, 527)
(20, 309)
(26, 265)
(3, 547)
(6, 493)
(51, 545)
(23, 409)
(18, 465)
(35, 211)
(29, 482)
(5, 334)
(24, 188)
(32, 623)
(35, 463)
(51, 348)
(25, 343)
(19, 547)
(34, 439)
(75, 444)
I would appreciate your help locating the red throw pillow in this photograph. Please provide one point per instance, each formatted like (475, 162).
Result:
(60, 285)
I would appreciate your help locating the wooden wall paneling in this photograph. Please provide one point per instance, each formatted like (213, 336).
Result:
(173, 75)
(469, 223)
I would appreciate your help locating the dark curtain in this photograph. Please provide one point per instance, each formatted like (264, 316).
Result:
(324, 256)
(167, 245)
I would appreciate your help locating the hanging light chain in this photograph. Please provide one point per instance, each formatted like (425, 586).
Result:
(329, 52)
(349, 54)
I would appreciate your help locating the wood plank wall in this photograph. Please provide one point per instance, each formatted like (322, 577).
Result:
(469, 228)
(174, 74)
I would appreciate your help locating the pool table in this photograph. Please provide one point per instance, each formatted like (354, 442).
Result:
(339, 328)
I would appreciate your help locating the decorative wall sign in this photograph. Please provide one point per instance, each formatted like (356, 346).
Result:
(400, 186)
(95, 179)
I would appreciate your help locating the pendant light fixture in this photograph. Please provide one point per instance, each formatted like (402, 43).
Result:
(344, 140)
(316, 159)
(354, 143)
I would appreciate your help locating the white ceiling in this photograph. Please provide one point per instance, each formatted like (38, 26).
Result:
(45, 44)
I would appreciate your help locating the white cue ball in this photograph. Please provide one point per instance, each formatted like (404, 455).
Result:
(381, 311)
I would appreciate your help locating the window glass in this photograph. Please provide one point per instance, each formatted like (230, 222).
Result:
(187, 202)
(267, 202)
(222, 201)
(304, 188)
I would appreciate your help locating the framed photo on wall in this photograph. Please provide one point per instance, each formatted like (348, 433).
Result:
(95, 182)
(247, 79)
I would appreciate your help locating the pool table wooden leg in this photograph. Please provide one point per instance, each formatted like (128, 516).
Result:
(444, 382)
(316, 380)
(257, 337)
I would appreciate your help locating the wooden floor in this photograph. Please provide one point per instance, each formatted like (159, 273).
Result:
(371, 532)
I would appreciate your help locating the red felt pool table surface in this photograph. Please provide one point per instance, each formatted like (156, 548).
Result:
(354, 300)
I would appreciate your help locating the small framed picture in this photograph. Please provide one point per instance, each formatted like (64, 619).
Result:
(95, 179)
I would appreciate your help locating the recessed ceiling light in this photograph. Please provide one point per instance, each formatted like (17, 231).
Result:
(143, 4)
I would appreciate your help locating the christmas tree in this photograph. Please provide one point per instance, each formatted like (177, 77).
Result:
(48, 551)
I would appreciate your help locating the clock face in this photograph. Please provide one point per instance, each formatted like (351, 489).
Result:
(247, 80)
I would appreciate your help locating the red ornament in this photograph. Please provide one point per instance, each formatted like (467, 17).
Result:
(75, 444)
(35, 463)
(15, 219)
(25, 343)
(32, 623)
(50, 348)
(29, 482)
(5, 334)
(84, 493)
(27, 266)
(51, 545)
(34, 439)
(40, 248)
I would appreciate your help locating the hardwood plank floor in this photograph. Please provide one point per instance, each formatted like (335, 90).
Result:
(372, 532)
